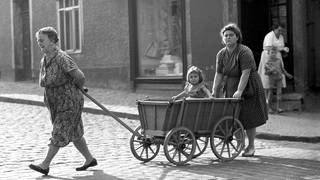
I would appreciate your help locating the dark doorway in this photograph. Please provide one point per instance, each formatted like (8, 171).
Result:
(257, 17)
(254, 24)
(22, 52)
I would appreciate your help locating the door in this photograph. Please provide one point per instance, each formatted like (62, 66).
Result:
(257, 17)
(254, 24)
(22, 53)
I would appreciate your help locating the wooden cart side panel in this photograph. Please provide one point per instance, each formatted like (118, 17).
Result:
(141, 116)
(201, 116)
(158, 117)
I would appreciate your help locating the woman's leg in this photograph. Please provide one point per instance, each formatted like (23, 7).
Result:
(82, 147)
(268, 93)
(251, 133)
(52, 151)
(279, 92)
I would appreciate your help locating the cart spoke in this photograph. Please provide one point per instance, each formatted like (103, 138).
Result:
(188, 147)
(220, 128)
(188, 141)
(173, 143)
(228, 148)
(218, 144)
(138, 141)
(142, 152)
(139, 147)
(185, 154)
(198, 147)
(173, 148)
(237, 130)
(224, 143)
(227, 132)
(234, 147)
(204, 141)
(151, 149)
(218, 136)
(147, 154)
(174, 154)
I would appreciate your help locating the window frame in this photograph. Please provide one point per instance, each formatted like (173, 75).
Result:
(80, 19)
(134, 55)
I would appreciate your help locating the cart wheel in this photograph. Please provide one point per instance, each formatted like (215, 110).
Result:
(143, 148)
(201, 145)
(227, 138)
(179, 145)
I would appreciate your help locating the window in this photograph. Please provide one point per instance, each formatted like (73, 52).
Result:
(278, 13)
(159, 36)
(69, 25)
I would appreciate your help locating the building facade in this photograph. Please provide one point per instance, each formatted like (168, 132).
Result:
(149, 44)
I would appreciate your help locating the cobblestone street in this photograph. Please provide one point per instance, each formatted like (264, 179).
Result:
(25, 131)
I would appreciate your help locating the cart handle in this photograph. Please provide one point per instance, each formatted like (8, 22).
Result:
(85, 90)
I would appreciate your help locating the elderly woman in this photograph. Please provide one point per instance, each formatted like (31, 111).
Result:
(235, 70)
(61, 79)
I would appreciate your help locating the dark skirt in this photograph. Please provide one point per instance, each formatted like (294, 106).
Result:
(254, 111)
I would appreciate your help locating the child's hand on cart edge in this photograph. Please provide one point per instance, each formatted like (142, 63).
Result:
(237, 94)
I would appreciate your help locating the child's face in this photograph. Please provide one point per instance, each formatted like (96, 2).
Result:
(273, 53)
(194, 78)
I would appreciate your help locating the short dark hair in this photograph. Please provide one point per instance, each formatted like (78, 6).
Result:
(275, 25)
(234, 28)
(50, 32)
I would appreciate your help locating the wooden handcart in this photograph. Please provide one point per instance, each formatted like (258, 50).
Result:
(184, 128)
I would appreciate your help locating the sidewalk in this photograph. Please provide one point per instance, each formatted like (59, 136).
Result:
(292, 126)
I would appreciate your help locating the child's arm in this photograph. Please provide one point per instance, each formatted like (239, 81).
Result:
(285, 72)
(206, 90)
(183, 93)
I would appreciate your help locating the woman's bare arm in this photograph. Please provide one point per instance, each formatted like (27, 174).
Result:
(242, 83)
(78, 77)
(216, 83)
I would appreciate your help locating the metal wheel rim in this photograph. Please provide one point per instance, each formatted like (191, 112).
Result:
(201, 146)
(227, 143)
(179, 145)
(144, 148)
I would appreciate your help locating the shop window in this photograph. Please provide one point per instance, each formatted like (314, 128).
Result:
(69, 25)
(159, 38)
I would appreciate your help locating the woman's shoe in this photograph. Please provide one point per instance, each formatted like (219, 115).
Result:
(248, 153)
(280, 110)
(91, 164)
(39, 169)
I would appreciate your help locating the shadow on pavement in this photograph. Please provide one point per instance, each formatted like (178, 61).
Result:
(97, 175)
(258, 167)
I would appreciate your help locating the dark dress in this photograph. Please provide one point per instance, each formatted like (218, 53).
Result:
(254, 108)
(62, 98)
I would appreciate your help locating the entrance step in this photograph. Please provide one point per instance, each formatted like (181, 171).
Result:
(292, 102)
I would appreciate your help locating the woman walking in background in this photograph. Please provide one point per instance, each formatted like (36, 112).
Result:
(61, 79)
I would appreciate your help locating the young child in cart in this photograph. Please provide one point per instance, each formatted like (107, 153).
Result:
(275, 71)
(195, 86)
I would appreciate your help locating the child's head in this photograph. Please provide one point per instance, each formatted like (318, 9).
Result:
(273, 51)
(194, 75)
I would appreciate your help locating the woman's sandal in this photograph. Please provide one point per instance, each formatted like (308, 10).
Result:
(248, 153)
